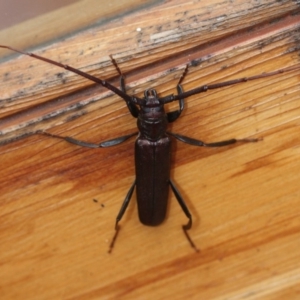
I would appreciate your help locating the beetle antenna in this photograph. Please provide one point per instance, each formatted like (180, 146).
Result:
(81, 73)
(183, 74)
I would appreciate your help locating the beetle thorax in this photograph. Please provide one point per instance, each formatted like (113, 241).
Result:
(152, 121)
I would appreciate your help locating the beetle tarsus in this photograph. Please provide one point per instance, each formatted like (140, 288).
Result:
(111, 246)
(185, 228)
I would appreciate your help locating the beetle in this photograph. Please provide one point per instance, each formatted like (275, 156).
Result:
(153, 143)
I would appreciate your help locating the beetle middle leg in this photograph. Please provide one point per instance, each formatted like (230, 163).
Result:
(186, 212)
(199, 143)
(104, 144)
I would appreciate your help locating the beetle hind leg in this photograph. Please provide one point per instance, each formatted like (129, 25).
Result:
(183, 206)
(120, 215)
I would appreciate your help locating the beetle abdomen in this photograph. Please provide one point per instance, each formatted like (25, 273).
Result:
(152, 163)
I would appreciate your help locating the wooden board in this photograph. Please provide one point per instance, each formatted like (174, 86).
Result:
(59, 20)
(59, 201)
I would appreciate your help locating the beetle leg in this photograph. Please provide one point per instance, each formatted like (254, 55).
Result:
(132, 107)
(186, 212)
(120, 215)
(117, 141)
(104, 144)
(199, 143)
(174, 115)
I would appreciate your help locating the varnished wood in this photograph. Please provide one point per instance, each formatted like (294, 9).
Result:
(244, 198)
(65, 20)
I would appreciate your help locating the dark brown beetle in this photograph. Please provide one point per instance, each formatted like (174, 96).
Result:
(153, 144)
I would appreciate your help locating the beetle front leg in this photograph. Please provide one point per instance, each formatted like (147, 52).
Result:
(132, 107)
(174, 115)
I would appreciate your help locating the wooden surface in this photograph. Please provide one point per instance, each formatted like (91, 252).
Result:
(59, 201)
(61, 22)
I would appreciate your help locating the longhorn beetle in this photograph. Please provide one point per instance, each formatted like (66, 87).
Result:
(153, 143)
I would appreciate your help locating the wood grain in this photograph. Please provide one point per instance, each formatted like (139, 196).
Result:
(63, 21)
(59, 201)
